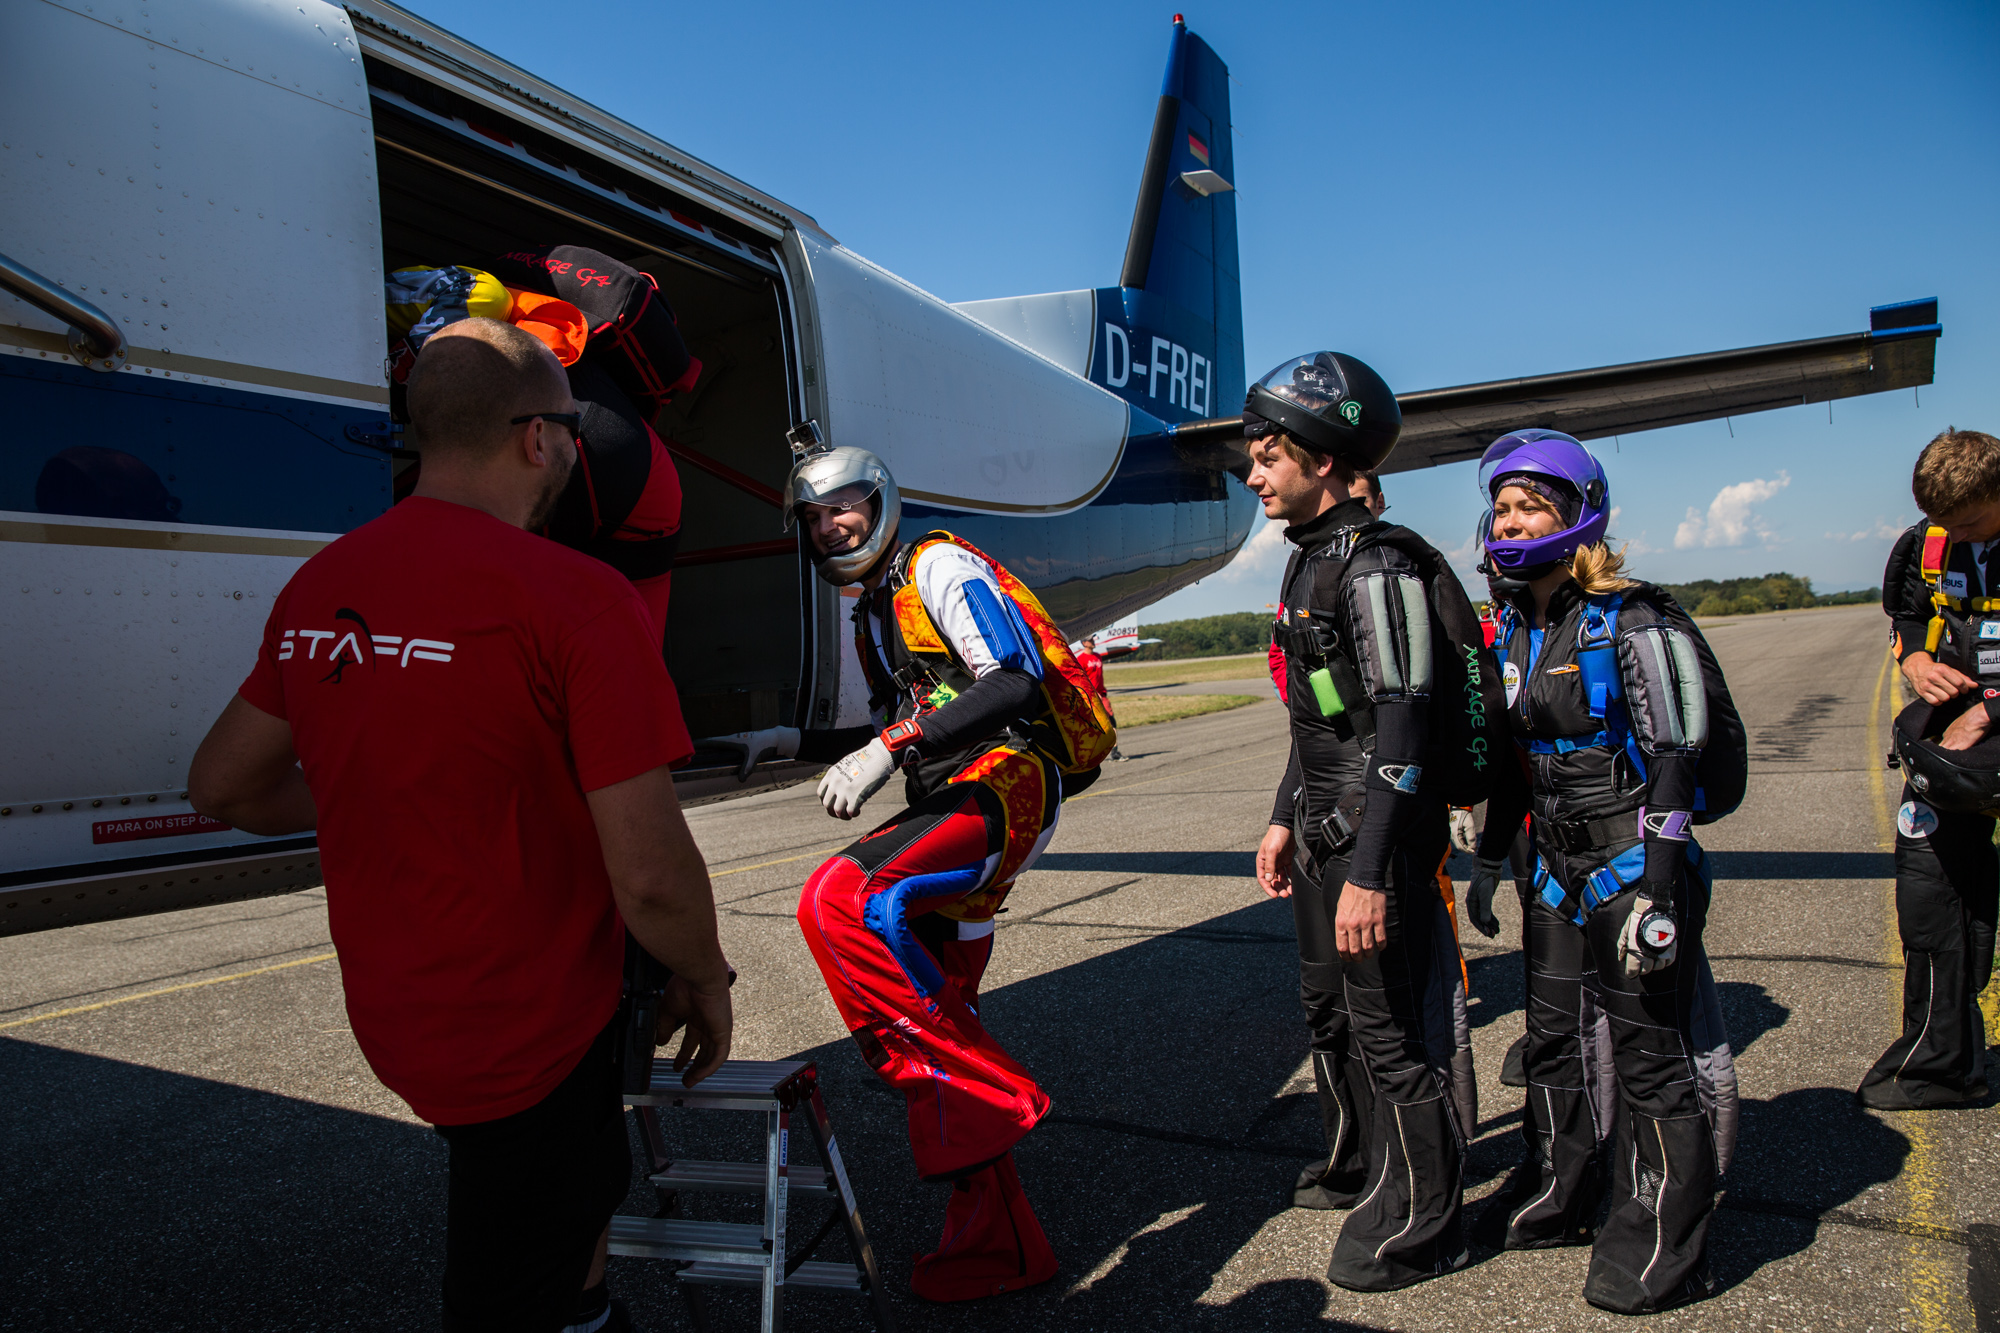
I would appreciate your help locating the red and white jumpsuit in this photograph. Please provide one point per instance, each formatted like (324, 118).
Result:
(901, 922)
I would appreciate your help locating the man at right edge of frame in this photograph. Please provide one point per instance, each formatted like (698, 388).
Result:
(1943, 601)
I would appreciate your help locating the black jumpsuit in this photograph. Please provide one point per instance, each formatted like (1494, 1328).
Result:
(1380, 1026)
(1614, 793)
(1947, 874)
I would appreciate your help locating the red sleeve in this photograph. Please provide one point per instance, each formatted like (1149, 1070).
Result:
(623, 712)
(264, 688)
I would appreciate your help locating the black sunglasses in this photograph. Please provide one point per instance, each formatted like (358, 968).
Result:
(570, 421)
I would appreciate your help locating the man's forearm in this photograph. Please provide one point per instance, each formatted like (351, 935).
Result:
(286, 806)
(672, 915)
(246, 774)
(658, 878)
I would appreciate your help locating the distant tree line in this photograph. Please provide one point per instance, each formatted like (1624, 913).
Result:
(1768, 592)
(1205, 636)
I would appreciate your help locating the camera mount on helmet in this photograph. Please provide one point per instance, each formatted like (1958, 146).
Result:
(1329, 402)
(1560, 464)
(842, 478)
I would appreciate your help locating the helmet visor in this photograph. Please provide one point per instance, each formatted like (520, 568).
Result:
(1314, 382)
(840, 499)
(1543, 454)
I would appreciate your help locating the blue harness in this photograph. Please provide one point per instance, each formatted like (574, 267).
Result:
(1606, 882)
(1597, 663)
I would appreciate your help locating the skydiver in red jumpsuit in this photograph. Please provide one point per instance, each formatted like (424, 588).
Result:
(979, 702)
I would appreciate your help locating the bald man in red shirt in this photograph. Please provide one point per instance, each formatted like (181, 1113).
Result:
(479, 725)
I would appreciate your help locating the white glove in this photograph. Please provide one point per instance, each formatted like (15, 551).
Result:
(1479, 896)
(1656, 949)
(852, 780)
(755, 746)
(1464, 835)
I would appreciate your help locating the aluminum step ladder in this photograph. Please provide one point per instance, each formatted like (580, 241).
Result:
(732, 1254)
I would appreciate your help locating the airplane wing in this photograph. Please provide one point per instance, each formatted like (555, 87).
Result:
(1897, 351)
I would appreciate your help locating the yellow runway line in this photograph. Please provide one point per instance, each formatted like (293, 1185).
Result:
(1931, 1281)
(165, 990)
(781, 861)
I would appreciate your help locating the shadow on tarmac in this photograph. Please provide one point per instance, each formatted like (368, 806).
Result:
(1238, 864)
(1786, 866)
(135, 1196)
(1799, 1155)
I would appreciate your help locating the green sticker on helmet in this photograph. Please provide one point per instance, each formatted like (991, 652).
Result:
(1352, 411)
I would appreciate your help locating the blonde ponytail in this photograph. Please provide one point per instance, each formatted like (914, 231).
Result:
(1599, 569)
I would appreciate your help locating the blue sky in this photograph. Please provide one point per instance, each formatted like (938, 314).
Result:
(1453, 192)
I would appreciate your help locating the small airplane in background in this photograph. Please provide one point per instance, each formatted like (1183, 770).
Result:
(192, 342)
(1116, 642)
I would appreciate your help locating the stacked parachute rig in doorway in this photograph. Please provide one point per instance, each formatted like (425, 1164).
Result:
(621, 346)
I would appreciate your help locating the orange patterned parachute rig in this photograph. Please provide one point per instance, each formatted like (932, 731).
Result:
(1075, 728)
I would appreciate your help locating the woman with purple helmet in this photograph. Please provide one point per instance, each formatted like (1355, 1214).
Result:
(1604, 678)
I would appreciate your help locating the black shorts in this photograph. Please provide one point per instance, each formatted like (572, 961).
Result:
(529, 1195)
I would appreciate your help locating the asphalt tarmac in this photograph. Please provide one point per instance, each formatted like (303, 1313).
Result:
(193, 1141)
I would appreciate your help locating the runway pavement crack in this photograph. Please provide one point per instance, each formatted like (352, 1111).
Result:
(165, 976)
(1832, 960)
(1984, 1238)
(1095, 893)
(1176, 1136)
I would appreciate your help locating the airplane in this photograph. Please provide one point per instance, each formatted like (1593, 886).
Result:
(192, 340)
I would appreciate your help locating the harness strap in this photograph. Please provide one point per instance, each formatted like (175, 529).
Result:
(1581, 835)
(1600, 886)
(1567, 744)
(1933, 562)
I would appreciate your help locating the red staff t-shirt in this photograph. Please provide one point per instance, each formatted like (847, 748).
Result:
(454, 686)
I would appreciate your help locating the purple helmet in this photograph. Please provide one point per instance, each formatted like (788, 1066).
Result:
(1562, 465)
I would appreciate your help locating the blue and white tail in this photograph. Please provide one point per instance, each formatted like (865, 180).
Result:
(1169, 338)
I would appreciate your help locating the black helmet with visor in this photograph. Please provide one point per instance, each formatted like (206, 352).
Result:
(1329, 402)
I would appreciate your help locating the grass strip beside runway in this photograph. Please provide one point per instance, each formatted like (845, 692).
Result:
(1185, 671)
(1142, 709)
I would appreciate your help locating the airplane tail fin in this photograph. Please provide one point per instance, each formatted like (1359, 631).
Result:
(1179, 281)
(1169, 338)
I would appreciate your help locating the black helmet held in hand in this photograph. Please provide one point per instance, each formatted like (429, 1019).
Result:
(1961, 781)
(1329, 402)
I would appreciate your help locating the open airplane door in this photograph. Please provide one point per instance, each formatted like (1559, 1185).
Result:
(213, 196)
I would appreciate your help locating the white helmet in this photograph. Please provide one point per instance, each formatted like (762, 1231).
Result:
(841, 478)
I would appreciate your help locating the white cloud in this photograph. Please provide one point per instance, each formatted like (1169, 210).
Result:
(1262, 556)
(1632, 546)
(1464, 558)
(1732, 519)
(1883, 531)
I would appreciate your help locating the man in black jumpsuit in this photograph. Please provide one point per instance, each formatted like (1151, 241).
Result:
(1354, 839)
(1947, 874)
